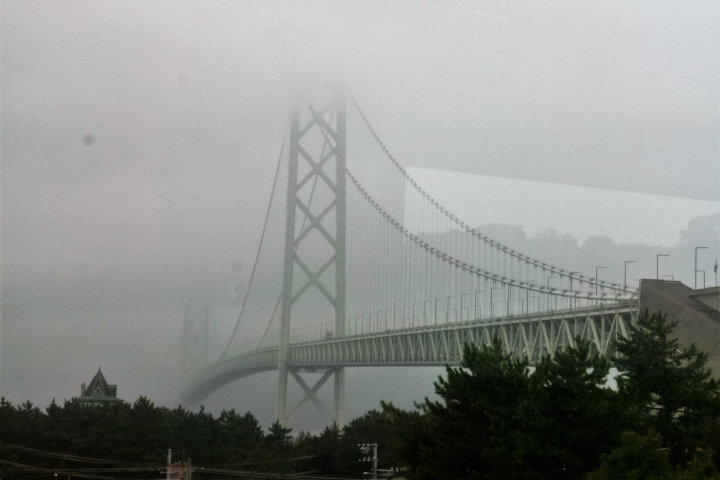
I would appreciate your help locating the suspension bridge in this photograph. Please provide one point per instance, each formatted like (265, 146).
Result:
(374, 271)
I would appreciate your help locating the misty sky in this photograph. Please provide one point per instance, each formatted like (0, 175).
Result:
(139, 141)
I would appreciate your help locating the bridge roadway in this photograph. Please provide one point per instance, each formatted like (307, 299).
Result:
(533, 335)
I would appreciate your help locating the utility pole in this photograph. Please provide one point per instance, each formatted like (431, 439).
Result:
(365, 450)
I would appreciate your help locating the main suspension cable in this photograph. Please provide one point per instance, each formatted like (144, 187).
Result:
(260, 244)
(452, 217)
(459, 263)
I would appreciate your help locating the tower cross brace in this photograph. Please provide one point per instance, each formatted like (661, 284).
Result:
(333, 153)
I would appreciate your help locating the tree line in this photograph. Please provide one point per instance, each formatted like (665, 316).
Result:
(495, 418)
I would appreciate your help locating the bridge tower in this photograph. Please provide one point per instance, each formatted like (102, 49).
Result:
(195, 332)
(326, 218)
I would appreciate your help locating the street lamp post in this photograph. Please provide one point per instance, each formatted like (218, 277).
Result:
(625, 275)
(538, 302)
(695, 271)
(463, 308)
(596, 279)
(570, 274)
(657, 264)
(547, 284)
(573, 301)
(527, 295)
(478, 307)
(492, 307)
(703, 272)
(507, 300)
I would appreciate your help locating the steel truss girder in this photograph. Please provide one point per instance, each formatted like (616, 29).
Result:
(531, 336)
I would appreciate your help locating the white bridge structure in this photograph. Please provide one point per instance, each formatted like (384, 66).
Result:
(376, 272)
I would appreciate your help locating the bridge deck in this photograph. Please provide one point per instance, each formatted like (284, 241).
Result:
(532, 336)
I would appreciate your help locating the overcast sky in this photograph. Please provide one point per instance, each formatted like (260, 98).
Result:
(139, 140)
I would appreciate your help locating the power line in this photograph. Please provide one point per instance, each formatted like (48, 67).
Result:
(67, 456)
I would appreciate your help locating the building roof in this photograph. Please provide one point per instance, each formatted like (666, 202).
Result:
(98, 390)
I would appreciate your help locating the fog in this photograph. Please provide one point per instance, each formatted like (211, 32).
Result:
(139, 141)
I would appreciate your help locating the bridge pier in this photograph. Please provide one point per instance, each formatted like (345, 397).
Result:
(336, 415)
(339, 395)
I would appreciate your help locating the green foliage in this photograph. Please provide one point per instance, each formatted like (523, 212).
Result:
(141, 432)
(642, 456)
(391, 428)
(237, 435)
(480, 428)
(637, 457)
(580, 416)
(278, 437)
(669, 387)
(498, 419)
(700, 467)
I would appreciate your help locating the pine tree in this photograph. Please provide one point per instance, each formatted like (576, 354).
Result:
(482, 428)
(580, 415)
(671, 388)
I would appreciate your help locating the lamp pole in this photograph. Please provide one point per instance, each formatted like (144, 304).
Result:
(695, 271)
(596, 279)
(492, 307)
(527, 295)
(596, 283)
(573, 300)
(478, 308)
(548, 286)
(538, 302)
(657, 264)
(625, 275)
(570, 274)
(507, 300)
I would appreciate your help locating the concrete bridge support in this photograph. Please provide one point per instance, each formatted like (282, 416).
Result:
(696, 312)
